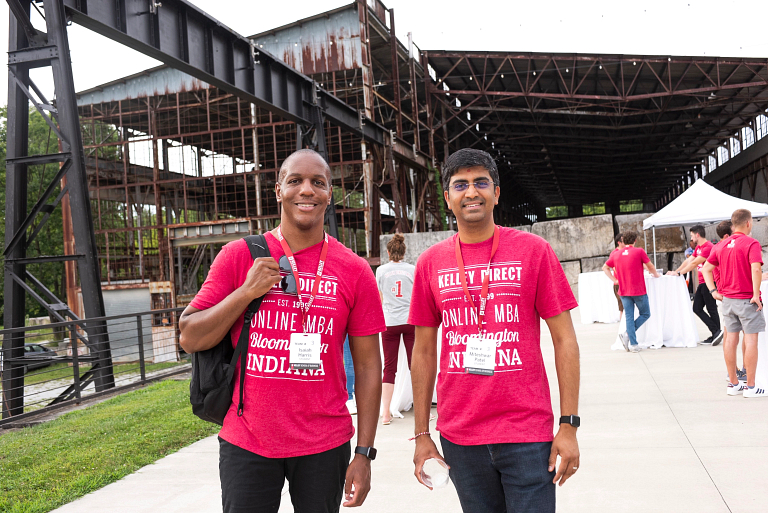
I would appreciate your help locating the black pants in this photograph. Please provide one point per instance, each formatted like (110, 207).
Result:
(252, 484)
(704, 298)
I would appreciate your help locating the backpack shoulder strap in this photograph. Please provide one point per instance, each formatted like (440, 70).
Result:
(257, 245)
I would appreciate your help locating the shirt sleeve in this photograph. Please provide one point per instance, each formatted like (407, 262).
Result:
(366, 316)
(611, 262)
(553, 292)
(379, 276)
(644, 256)
(706, 250)
(755, 253)
(424, 310)
(219, 283)
(713, 257)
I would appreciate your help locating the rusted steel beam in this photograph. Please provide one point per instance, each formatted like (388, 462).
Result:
(395, 72)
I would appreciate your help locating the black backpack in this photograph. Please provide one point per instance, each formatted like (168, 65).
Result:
(210, 390)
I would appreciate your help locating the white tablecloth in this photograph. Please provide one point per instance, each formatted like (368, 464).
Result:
(672, 323)
(597, 302)
(402, 397)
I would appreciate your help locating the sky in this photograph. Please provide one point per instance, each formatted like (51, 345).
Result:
(671, 27)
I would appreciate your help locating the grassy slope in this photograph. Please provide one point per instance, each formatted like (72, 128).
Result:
(51, 464)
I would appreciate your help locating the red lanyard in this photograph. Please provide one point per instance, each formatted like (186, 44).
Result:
(304, 307)
(486, 278)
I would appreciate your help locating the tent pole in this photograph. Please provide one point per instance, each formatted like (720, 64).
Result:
(654, 246)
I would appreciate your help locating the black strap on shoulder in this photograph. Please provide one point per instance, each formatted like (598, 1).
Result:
(257, 244)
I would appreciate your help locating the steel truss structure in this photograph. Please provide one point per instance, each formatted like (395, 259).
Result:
(577, 129)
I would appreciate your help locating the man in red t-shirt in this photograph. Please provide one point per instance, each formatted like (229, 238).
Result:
(628, 266)
(740, 262)
(702, 297)
(619, 246)
(487, 288)
(295, 424)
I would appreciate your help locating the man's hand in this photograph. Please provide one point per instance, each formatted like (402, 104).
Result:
(359, 478)
(567, 447)
(425, 449)
(673, 273)
(262, 276)
(717, 295)
(615, 281)
(756, 300)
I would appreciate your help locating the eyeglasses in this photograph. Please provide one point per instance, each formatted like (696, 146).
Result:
(287, 283)
(463, 186)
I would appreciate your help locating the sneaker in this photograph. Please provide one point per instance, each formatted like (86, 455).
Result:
(707, 340)
(352, 406)
(624, 337)
(736, 389)
(755, 392)
(635, 348)
(717, 337)
(741, 374)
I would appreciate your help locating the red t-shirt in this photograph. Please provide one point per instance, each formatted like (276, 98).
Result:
(628, 264)
(703, 250)
(735, 261)
(295, 413)
(527, 283)
(716, 270)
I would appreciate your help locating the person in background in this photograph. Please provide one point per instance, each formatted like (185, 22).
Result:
(628, 266)
(395, 281)
(619, 246)
(702, 297)
(740, 262)
(691, 247)
(349, 371)
(724, 232)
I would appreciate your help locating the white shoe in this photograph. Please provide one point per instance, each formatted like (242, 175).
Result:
(635, 349)
(624, 337)
(737, 389)
(352, 406)
(755, 392)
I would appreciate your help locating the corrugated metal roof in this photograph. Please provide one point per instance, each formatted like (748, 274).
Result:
(152, 82)
(321, 44)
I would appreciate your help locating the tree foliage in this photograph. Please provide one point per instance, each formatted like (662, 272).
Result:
(50, 240)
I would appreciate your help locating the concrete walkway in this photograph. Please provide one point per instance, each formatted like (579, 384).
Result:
(659, 434)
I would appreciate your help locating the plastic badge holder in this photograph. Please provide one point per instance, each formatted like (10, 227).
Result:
(434, 473)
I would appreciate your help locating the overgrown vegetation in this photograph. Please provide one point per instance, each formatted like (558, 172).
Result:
(46, 466)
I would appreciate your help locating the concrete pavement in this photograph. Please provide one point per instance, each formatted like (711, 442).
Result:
(658, 433)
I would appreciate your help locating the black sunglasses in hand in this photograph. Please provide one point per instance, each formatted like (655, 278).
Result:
(287, 283)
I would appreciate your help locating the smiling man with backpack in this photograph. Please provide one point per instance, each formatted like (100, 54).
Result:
(293, 423)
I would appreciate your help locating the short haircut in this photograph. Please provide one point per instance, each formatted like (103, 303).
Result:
(306, 151)
(724, 228)
(396, 247)
(629, 237)
(741, 217)
(469, 157)
(699, 229)
(617, 239)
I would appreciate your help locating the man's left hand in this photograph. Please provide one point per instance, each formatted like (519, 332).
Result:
(756, 301)
(717, 295)
(566, 446)
(359, 478)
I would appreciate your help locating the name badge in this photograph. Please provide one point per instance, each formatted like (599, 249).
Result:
(305, 351)
(480, 355)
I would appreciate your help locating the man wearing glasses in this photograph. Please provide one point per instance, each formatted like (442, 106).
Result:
(487, 288)
(295, 424)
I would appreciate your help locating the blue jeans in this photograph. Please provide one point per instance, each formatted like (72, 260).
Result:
(633, 324)
(495, 478)
(349, 370)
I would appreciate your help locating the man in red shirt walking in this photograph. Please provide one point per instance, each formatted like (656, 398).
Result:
(740, 262)
(488, 287)
(702, 297)
(628, 265)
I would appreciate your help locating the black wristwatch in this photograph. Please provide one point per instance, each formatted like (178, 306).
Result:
(573, 420)
(368, 452)
(713, 290)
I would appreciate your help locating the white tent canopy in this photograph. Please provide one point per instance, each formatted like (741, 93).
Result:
(702, 203)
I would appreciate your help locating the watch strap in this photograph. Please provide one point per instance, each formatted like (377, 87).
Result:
(368, 452)
(573, 420)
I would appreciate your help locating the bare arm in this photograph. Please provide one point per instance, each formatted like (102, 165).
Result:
(423, 373)
(757, 277)
(690, 263)
(607, 271)
(367, 361)
(568, 376)
(203, 329)
(652, 269)
(709, 279)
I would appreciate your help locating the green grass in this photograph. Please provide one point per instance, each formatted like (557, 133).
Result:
(51, 464)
